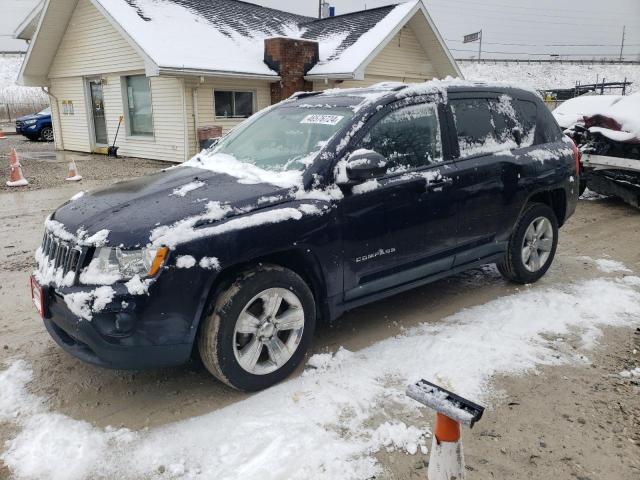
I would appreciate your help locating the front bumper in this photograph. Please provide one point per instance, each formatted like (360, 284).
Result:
(27, 129)
(137, 336)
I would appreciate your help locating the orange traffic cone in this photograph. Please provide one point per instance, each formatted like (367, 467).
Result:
(2, 135)
(73, 172)
(16, 179)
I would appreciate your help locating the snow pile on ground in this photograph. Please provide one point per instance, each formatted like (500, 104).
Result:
(329, 422)
(630, 373)
(607, 265)
(541, 76)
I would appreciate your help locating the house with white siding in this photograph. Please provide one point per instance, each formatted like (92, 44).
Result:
(161, 70)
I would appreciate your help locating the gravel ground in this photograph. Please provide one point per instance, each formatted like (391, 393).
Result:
(569, 422)
(43, 167)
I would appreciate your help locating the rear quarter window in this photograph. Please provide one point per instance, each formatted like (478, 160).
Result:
(548, 130)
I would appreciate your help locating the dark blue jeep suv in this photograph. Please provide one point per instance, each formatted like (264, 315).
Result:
(36, 126)
(324, 202)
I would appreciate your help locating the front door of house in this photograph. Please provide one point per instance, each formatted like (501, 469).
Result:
(97, 112)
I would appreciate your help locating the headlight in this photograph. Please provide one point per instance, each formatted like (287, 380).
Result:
(29, 122)
(126, 264)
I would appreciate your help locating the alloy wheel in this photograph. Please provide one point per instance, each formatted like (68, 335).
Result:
(268, 331)
(537, 244)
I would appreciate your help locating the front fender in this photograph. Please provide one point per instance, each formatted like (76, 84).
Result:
(314, 233)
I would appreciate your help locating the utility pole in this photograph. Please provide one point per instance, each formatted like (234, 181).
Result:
(624, 27)
(480, 47)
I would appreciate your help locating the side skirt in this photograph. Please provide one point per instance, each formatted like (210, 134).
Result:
(337, 308)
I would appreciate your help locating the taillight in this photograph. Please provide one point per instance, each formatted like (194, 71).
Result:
(576, 155)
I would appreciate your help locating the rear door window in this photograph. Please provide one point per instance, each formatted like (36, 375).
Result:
(486, 125)
(408, 137)
(474, 125)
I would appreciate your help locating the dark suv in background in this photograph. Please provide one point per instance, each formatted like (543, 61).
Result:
(322, 203)
(37, 126)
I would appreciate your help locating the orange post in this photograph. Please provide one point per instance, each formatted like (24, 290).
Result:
(446, 430)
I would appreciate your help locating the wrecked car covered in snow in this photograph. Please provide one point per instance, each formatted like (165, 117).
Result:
(324, 202)
(609, 139)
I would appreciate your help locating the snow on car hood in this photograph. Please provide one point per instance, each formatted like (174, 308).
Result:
(574, 110)
(130, 210)
(620, 122)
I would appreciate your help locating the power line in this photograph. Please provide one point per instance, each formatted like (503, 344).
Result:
(484, 6)
(538, 54)
(552, 44)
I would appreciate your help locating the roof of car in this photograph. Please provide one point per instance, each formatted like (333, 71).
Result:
(382, 92)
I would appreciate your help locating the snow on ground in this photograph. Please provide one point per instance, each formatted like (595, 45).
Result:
(9, 91)
(551, 75)
(607, 265)
(328, 422)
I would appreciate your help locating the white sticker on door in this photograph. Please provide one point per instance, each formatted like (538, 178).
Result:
(322, 119)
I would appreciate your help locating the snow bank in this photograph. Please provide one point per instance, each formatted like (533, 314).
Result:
(329, 422)
(542, 76)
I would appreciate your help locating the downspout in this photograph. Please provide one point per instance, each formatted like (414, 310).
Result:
(195, 117)
(185, 130)
(51, 95)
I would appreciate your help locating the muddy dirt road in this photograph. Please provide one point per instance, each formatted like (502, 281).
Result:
(561, 422)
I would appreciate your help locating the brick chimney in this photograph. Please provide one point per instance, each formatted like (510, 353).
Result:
(292, 59)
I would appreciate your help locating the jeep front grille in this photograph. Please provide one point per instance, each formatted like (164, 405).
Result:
(62, 253)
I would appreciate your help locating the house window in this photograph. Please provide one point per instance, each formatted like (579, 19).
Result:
(138, 103)
(233, 104)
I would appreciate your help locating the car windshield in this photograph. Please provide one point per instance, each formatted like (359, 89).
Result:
(46, 111)
(284, 138)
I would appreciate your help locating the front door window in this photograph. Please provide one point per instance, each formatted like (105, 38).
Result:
(97, 111)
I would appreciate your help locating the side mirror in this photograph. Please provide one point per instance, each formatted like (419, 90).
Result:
(365, 164)
(517, 134)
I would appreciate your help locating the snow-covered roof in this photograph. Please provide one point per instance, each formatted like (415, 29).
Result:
(226, 37)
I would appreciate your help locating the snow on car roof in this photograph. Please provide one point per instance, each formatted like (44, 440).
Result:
(228, 35)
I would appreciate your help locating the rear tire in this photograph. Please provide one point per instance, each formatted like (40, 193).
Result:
(244, 340)
(532, 245)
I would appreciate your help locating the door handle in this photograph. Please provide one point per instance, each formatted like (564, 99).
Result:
(442, 182)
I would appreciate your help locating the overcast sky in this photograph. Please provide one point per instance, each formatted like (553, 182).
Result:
(511, 28)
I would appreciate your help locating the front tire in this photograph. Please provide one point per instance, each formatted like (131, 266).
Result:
(532, 245)
(258, 329)
(47, 134)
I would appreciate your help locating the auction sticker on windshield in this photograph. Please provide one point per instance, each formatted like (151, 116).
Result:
(322, 119)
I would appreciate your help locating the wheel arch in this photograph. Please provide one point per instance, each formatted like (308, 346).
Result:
(554, 198)
(302, 261)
